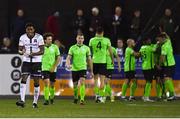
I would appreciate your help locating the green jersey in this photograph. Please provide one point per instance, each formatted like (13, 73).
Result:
(49, 57)
(109, 60)
(99, 47)
(130, 61)
(167, 51)
(79, 57)
(147, 53)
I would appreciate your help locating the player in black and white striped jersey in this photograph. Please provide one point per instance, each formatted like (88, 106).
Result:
(31, 46)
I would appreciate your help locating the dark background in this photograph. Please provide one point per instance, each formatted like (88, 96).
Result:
(38, 11)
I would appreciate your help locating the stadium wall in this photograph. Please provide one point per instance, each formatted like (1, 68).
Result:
(10, 78)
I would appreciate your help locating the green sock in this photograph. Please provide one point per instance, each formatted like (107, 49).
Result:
(158, 90)
(52, 92)
(76, 92)
(46, 93)
(102, 92)
(82, 92)
(169, 87)
(147, 89)
(96, 90)
(124, 89)
(108, 90)
(132, 88)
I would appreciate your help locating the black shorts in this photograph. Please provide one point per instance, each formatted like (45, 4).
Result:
(49, 75)
(169, 71)
(130, 74)
(109, 73)
(148, 74)
(76, 75)
(158, 73)
(99, 68)
(32, 68)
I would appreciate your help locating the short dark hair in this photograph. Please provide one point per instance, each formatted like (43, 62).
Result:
(48, 34)
(29, 24)
(99, 30)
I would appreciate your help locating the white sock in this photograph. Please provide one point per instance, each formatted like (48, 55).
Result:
(36, 94)
(22, 91)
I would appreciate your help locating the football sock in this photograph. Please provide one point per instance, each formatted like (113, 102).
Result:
(169, 87)
(133, 88)
(75, 92)
(52, 92)
(36, 93)
(22, 91)
(124, 89)
(108, 90)
(96, 90)
(158, 90)
(147, 89)
(82, 92)
(46, 92)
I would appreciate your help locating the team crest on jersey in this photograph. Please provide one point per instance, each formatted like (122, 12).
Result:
(35, 40)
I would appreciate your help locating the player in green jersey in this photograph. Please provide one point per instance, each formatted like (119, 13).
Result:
(110, 69)
(167, 58)
(50, 61)
(147, 53)
(129, 69)
(81, 57)
(99, 46)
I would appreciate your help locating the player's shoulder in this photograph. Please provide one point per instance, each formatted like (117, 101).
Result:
(23, 36)
(37, 35)
(54, 45)
(128, 49)
(73, 46)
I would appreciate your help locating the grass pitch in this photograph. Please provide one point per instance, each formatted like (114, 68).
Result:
(65, 108)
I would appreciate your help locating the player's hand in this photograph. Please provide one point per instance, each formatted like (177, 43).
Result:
(68, 67)
(158, 67)
(91, 75)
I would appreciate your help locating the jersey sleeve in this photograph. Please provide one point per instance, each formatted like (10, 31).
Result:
(114, 51)
(88, 53)
(70, 51)
(41, 41)
(131, 51)
(140, 50)
(21, 43)
(108, 42)
(90, 43)
(163, 51)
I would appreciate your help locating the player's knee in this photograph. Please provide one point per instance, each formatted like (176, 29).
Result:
(36, 85)
(24, 78)
(149, 80)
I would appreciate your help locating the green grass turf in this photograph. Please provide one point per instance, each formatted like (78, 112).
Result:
(65, 108)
